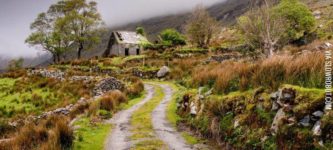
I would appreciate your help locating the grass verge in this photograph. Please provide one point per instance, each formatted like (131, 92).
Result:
(142, 128)
(90, 136)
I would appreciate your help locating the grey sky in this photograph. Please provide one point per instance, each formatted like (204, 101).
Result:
(16, 16)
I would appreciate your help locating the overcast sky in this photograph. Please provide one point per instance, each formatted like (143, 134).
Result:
(16, 16)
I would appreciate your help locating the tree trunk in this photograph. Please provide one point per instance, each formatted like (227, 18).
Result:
(269, 49)
(79, 50)
(58, 58)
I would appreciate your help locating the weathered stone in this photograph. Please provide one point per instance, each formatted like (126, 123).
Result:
(275, 106)
(305, 121)
(163, 72)
(316, 129)
(193, 108)
(236, 123)
(317, 14)
(56, 74)
(280, 115)
(318, 113)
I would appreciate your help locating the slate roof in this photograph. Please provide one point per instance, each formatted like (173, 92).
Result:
(129, 37)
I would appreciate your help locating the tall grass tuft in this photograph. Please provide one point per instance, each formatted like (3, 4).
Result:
(305, 70)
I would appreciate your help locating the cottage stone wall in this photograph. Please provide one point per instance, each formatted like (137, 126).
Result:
(119, 49)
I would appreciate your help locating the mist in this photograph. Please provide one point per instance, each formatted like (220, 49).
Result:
(16, 16)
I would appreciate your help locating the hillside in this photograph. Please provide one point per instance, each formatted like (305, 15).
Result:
(225, 12)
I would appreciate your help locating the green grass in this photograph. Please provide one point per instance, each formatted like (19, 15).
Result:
(142, 128)
(189, 138)
(122, 60)
(90, 137)
(133, 101)
(12, 102)
(27, 96)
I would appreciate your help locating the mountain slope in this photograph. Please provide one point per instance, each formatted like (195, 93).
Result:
(226, 12)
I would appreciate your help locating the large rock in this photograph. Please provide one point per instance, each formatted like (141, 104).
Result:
(280, 115)
(305, 121)
(316, 129)
(163, 72)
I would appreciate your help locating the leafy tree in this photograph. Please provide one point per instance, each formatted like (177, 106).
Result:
(262, 29)
(298, 18)
(83, 20)
(201, 27)
(49, 34)
(141, 31)
(268, 27)
(172, 37)
(67, 24)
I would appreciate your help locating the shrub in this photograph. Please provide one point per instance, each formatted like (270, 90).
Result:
(136, 87)
(173, 37)
(112, 100)
(53, 133)
(93, 108)
(65, 134)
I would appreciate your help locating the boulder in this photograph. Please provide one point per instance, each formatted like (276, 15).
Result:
(193, 108)
(316, 130)
(274, 96)
(305, 121)
(280, 115)
(318, 113)
(163, 72)
(275, 106)
(287, 96)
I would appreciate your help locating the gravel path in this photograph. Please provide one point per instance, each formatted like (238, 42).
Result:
(119, 137)
(163, 128)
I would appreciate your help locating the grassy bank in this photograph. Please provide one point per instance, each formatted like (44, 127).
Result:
(89, 135)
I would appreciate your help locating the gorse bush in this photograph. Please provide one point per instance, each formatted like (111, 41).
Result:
(306, 70)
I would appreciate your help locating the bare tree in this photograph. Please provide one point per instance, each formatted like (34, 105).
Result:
(262, 29)
(201, 27)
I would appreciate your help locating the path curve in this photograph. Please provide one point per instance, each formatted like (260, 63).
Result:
(119, 137)
(161, 125)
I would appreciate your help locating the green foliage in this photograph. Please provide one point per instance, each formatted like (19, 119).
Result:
(104, 114)
(172, 37)
(141, 31)
(65, 23)
(298, 18)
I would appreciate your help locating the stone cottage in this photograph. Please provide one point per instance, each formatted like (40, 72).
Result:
(124, 43)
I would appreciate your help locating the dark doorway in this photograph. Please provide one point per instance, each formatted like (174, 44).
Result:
(126, 51)
(138, 51)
